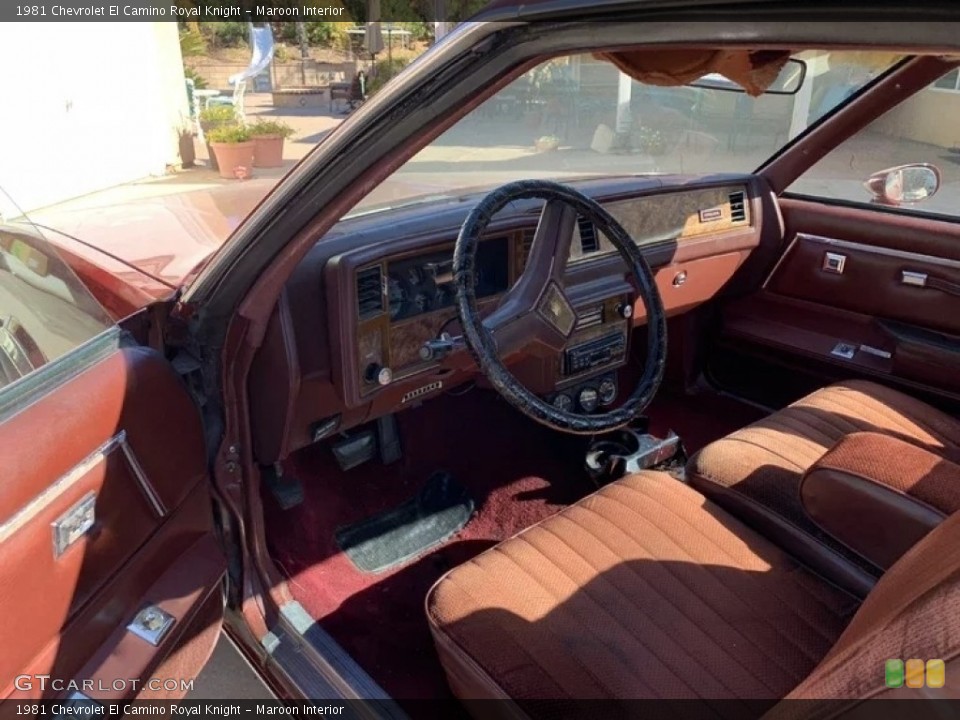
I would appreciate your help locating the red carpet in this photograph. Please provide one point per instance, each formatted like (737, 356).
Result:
(517, 472)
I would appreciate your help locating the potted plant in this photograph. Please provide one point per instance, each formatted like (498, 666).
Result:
(547, 143)
(210, 119)
(268, 137)
(233, 148)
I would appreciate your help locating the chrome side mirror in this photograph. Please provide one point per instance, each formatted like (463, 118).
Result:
(904, 184)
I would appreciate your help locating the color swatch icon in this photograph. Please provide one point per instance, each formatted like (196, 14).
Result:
(914, 673)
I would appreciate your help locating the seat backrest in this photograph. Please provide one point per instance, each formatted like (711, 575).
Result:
(913, 612)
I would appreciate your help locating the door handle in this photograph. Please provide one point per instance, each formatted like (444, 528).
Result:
(74, 524)
(912, 278)
(922, 280)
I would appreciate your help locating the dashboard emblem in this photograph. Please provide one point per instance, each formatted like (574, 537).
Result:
(556, 310)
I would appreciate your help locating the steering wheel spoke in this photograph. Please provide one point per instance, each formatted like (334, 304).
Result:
(536, 315)
(542, 329)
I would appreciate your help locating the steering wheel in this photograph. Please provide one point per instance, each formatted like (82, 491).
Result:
(535, 314)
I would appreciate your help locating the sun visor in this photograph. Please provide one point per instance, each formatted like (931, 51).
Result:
(753, 70)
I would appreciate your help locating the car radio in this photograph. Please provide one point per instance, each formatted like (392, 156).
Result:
(595, 353)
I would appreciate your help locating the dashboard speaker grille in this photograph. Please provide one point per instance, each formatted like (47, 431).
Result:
(738, 207)
(369, 292)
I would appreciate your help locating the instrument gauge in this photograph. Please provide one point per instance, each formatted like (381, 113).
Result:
(563, 402)
(588, 399)
(422, 301)
(607, 391)
(398, 296)
(414, 276)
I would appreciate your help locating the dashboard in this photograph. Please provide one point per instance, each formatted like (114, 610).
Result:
(354, 336)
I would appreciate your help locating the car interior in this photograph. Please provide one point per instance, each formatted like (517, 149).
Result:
(662, 405)
(661, 435)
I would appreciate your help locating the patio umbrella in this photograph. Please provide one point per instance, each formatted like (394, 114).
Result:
(373, 38)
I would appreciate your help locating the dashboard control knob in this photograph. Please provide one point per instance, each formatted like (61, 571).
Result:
(607, 391)
(376, 374)
(563, 402)
(625, 310)
(443, 345)
(588, 399)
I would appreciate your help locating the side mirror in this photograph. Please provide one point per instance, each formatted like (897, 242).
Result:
(904, 184)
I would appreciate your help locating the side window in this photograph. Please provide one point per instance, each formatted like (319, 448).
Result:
(920, 131)
(45, 311)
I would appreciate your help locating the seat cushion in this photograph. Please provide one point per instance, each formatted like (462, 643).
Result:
(643, 590)
(755, 473)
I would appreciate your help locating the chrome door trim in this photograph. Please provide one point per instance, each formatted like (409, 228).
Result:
(66, 481)
(70, 478)
(880, 250)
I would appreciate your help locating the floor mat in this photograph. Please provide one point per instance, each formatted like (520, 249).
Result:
(517, 472)
(396, 536)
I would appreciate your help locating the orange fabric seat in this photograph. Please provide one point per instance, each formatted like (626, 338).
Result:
(642, 590)
(647, 590)
(755, 473)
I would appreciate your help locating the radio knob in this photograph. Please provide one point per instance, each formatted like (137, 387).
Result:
(625, 310)
(376, 374)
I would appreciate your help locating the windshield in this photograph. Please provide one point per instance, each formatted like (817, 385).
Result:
(579, 116)
(149, 172)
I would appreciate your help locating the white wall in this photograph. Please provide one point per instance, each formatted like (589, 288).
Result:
(86, 106)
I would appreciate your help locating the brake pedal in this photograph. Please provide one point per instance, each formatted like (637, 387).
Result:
(287, 490)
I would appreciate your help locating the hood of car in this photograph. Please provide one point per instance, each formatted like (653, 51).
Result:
(166, 237)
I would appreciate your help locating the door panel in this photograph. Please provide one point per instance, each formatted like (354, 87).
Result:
(894, 304)
(872, 282)
(125, 438)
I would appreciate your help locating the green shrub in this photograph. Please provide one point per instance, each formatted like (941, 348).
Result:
(219, 115)
(270, 127)
(198, 82)
(230, 134)
(227, 34)
(383, 71)
(325, 34)
(192, 42)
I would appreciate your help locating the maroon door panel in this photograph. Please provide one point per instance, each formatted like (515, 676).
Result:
(863, 291)
(104, 510)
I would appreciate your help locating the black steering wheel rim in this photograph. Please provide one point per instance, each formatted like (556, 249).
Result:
(483, 346)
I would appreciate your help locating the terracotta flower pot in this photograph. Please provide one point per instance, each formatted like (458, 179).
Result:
(267, 151)
(207, 126)
(235, 160)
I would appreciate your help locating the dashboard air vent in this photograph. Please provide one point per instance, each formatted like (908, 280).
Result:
(369, 292)
(526, 242)
(588, 236)
(738, 207)
(589, 317)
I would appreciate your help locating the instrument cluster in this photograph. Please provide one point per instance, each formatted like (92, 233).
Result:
(423, 284)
